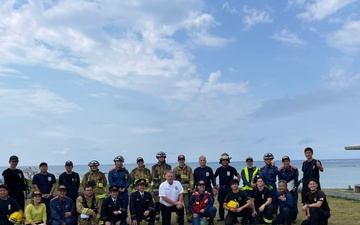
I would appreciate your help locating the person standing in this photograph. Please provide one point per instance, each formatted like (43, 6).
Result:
(284, 204)
(261, 203)
(183, 173)
(316, 206)
(226, 174)
(171, 197)
(242, 205)
(158, 172)
(248, 175)
(206, 174)
(62, 208)
(140, 172)
(112, 208)
(71, 180)
(201, 205)
(45, 183)
(141, 205)
(290, 174)
(120, 177)
(88, 207)
(7, 206)
(95, 178)
(269, 173)
(311, 168)
(35, 212)
(15, 180)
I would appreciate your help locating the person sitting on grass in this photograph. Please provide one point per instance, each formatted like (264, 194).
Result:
(35, 212)
(316, 206)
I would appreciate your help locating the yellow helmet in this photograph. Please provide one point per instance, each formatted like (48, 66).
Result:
(15, 218)
(232, 204)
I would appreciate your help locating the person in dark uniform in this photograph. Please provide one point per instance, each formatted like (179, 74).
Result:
(261, 203)
(71, 180)
(226, 174)
(112, 208)
(284, 205)
(141, 204)
(15, 180)
(205, 174)
(62, 208)
(7, 206)
(269, 173)
(316, 206)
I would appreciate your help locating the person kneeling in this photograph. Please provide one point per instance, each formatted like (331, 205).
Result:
(285, 203)
(62, 208)
(112, 208)
(201, 205)
(237, 204)
(261, 202)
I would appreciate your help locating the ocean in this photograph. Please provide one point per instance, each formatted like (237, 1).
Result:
(338, 173)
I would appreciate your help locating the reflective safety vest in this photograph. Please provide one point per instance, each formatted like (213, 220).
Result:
(185, 177)
(249, 179)
(100, 181)
(198, 204)
(158, 172)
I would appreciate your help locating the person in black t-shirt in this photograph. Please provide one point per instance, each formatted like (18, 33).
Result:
(237, 204)
(261, 203)
(71, 180)
(316, 206)
(15, 180)
(7, 206)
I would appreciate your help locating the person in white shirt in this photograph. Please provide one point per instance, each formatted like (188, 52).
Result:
(171, 197)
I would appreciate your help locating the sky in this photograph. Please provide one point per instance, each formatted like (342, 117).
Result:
(83, 80)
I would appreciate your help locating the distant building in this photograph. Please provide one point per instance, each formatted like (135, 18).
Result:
(353, 147)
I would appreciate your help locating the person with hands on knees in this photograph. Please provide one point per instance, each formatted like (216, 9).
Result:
(62, 208)
(112, 208)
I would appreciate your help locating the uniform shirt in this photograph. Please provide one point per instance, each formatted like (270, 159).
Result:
(140, 173)
(260, 197)
(318, 195)
(138, 204)
(59, 207)
(206, 174)
(14, 179)
(108, 207)
(251, 175)
(100, 180)
(72, 184)
(91, 205)
(226, 174)
(36, 215)
(289, 174)
(185, 176)
(310, 170)
(239, 197)
(289, 203)
(44, 182)
(7, 207)
(172, 191)
(158, 172)
(269, 173)
(119, 177)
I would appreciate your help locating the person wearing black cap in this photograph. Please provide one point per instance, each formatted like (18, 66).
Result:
(316, 206)
(35, 212)
(45, 183)
(71, 180)
(183, 173)
(62, 208)
(112, 208)
(247, 175)
(290, 174)
(140, 172)
(141, 204)
(15, 180)
(7, 206)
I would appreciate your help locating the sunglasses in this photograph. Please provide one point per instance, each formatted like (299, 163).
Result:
(201, 184)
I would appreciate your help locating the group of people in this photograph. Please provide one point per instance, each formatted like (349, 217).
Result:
(162, 190)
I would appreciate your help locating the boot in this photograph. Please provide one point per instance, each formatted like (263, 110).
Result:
(210, 221)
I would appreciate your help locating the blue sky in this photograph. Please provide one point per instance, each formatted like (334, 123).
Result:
(85, 80)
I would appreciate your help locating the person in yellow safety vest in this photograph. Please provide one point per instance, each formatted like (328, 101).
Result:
(158, 172)
(89, 207)
(140, 172)
(183, 173)
(96, 179)
(247, 175)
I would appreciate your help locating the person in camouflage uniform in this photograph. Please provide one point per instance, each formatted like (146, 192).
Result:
(158, 172)
(140, 172)
(97, 179)
(183, 173)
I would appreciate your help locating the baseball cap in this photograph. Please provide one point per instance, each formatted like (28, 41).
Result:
(249, 159)
(36, 193)
(13, 158)
(285, 158)
(68, 163)
(139, 159)
(181, 157)
(62, 187)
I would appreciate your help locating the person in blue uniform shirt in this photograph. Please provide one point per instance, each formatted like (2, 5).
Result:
(247, 175)
(226, 174)
(112, 208)
(269, 173)
(290, 174)
(205, 174)
(120, 176)
(62, 208)
(141, 204)
(284, 205)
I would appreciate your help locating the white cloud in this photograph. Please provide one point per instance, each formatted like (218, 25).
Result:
(231, 9)
(33, 103)
(346, 39)
(254, 16)
(340, 78)
(321, 9)
(288, 38)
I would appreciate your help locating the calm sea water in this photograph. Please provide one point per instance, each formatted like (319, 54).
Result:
(338, 173)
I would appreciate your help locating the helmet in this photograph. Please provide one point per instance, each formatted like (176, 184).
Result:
(232, 204)
(94, 163)
(119, 158)
(224, 156)
(161, 154)
(15, 218)
(268, 156)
